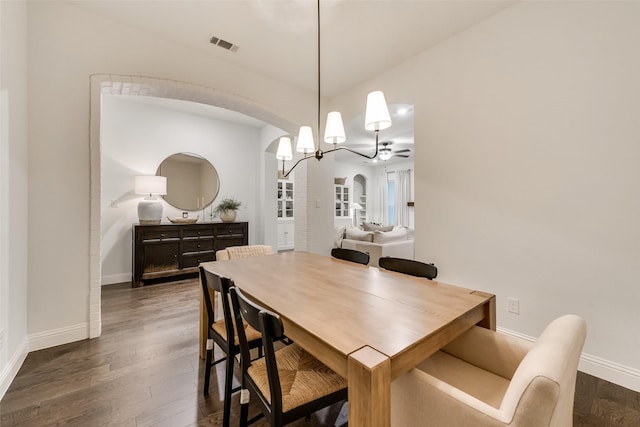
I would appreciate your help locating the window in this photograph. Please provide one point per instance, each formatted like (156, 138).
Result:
(391, 196)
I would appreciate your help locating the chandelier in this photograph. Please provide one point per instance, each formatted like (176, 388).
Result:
(376, 118)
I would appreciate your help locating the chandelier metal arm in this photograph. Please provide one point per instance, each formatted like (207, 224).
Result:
(356, 152)
(319, 154)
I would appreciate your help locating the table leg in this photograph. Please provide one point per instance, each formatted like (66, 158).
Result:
(489, 320)
(369, 378)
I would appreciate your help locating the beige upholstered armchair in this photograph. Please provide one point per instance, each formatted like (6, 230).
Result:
(484, 378)
(233, 252)
(243, 252)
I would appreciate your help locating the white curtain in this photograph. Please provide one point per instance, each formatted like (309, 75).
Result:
(381, 194)
(403, 196)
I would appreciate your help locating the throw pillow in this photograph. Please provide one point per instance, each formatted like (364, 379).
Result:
(396, 235)
(353, 233)
(368, 226)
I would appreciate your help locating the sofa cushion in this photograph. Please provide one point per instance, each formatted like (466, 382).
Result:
(395, 235)
(368, 226)
(409, 230)
(353, 233)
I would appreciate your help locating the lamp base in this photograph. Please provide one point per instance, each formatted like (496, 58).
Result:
(149, 211)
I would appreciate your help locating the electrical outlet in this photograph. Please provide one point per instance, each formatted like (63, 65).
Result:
(513, 305)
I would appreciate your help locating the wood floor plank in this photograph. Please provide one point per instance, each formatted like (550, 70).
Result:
(145, 371)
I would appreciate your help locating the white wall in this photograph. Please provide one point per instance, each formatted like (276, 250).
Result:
(527, 177)
(136, 137)
(66, 46)
(13, 190)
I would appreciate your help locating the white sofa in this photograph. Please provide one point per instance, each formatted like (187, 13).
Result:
(396, 243)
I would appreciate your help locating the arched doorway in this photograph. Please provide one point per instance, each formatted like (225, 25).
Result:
(144, 86)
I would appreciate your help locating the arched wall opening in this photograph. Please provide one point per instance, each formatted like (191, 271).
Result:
(160, 88)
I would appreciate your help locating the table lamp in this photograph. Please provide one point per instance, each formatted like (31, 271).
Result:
(150, 208)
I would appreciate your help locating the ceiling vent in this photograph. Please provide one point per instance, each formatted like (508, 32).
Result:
(224, 44)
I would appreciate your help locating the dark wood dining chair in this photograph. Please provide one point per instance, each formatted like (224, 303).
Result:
(350, 255)
(287, 384)
(409, 266)
(219, 333)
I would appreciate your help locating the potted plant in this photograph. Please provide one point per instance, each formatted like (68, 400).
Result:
(227, 209)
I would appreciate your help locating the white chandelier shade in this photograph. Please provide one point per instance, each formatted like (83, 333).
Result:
(284, 149)
(377, 114)
(305, 141)
(334, 131)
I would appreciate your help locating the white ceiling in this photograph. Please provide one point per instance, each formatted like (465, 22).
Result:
(278, 38)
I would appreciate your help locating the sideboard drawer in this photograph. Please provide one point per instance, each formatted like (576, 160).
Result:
(197, 245)
(200, 232)
(160, 235)
(231, 229)
(194, 260)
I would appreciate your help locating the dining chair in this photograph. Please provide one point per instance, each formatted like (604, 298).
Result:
(409, 266)
(219, 332)
(350, 255)
(485, 378)
(233, 252)
(287, 384)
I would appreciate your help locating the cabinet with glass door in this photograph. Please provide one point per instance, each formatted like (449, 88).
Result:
(285, 215)
(285, 200)
(342, 201)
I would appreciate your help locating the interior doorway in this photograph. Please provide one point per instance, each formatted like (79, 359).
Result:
(144, 86)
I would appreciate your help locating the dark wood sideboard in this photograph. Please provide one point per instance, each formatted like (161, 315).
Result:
(170, 250)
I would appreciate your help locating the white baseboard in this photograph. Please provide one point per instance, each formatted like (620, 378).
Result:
(110, 279)
(12, 367)
(58, 336)
(621, 375)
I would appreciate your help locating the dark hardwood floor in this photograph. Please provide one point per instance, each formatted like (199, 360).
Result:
(144, 371)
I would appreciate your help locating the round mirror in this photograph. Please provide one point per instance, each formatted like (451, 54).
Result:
(192, 182)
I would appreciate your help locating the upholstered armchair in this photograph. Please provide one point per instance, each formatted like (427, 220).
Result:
(233, 252)
(485, 378)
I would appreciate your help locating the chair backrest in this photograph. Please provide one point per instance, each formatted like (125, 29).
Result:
(548, 372)
(350, 255)
(246, 251)
(271, 328)
(213, 282)
(409, 266)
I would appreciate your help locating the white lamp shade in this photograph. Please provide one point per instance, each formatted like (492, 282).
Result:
(334, 131)
(356, 206)
(377, 114)
(151, 184)
(284, 149)
(305, 140)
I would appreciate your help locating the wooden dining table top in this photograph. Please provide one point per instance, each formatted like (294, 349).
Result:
(336, 307)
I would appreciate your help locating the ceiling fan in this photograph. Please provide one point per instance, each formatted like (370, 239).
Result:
(386, 153)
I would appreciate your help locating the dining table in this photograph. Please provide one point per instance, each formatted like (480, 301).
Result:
(367, 324)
